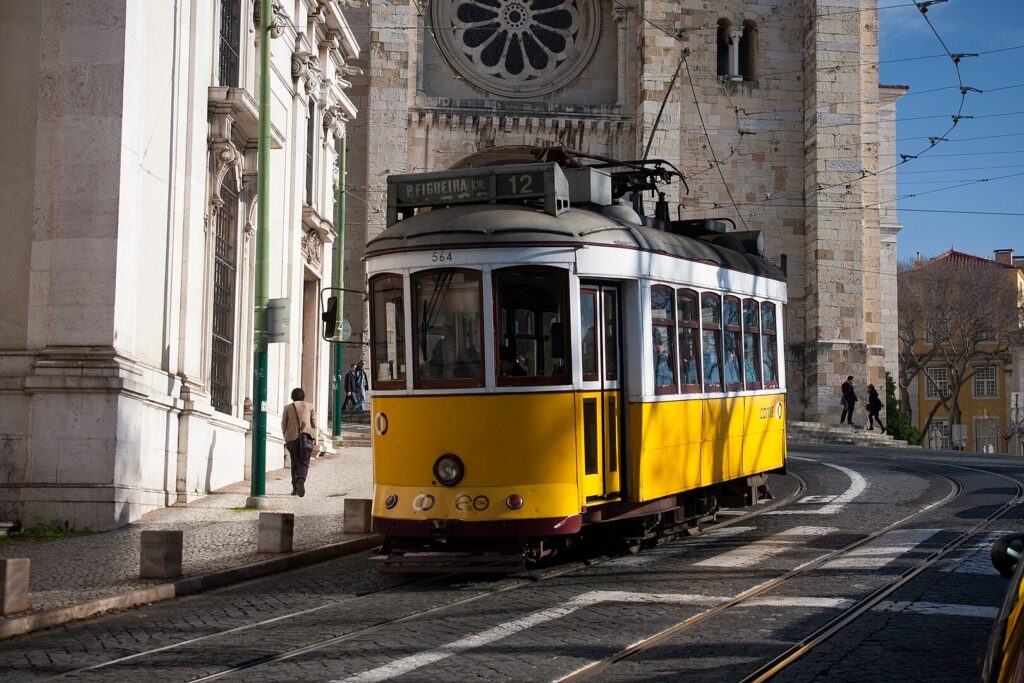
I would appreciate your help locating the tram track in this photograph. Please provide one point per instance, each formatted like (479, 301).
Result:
(848, 616)
(531, 579)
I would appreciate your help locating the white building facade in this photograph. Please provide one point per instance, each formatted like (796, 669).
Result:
(126, 278)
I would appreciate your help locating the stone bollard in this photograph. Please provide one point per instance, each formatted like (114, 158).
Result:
(356, 516)
(14, 585)
(275, 532)
(161, 554)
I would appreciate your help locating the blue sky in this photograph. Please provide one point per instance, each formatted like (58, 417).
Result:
(965, 26)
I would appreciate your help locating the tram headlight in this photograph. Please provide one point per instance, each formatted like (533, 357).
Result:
(448, 469)
(391, 501)
(514, 502)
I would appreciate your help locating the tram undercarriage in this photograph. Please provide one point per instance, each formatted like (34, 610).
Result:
(614, 528)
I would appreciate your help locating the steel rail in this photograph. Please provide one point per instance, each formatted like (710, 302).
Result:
(805, 645)
(591, 670)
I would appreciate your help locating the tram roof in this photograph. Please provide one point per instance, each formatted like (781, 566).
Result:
(491, 225)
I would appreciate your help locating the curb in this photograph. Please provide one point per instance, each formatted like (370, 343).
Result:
(17, 626)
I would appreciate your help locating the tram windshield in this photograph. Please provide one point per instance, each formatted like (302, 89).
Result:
(531, 344)
(449, 328)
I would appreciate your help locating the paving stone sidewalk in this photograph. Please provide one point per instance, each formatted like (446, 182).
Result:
(219, 534)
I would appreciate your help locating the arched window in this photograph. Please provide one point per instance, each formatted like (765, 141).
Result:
(723, 47)
(748, 51)
(225, 273)
(229, 44)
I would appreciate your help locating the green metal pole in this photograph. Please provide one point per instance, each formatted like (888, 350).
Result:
(261, 295)
(339, 282)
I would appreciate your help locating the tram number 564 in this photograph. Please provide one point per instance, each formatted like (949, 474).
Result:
(440, 256)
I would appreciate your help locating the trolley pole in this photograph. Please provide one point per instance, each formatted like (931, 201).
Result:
(339, 283)
(261, 295)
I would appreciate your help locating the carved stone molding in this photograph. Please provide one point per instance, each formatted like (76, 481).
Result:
(334, 121)
(249, 229)
(306, 72)
(279, 21)
(312, 250)
(224, 157)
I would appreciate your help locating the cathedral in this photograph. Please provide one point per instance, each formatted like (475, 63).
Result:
(772, 109)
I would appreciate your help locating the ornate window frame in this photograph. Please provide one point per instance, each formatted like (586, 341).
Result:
(517, 48)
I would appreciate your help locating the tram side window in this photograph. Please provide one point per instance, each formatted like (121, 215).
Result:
(769, 346)
(711, 317)
(732, 337)
(531, 344)
(751, 344)
(662, 333)
(388, 332)
(689, 340)
(449, 328)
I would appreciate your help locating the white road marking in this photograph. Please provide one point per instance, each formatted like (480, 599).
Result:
(858, 484)
(758, 551)
(976, 558)
(412, 662)
(882, 550)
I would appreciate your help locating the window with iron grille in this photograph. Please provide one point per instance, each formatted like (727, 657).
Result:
(225, 261)
(936, 382)
(230, 25)
(310, 141)
(985, 382)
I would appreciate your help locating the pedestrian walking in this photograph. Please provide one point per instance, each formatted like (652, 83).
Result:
(298, 424)
(875, 406)
(849, 402)
(361, 385)
(350, 389)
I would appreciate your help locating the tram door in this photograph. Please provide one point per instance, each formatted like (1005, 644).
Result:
(601, 403)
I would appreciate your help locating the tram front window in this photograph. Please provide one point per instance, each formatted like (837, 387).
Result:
(449, 329)
(531, 331)
(388, 332)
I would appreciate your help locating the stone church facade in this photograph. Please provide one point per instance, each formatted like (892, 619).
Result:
(126, 278)
(778, 97)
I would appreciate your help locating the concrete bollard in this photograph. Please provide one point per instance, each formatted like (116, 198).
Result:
(356, 516)
(276, 531)
(14, 585)
(161, 554)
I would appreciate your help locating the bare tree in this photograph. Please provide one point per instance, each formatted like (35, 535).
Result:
(954, 316)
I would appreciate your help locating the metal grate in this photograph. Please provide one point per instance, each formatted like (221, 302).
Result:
(230, 25)
(224, 274)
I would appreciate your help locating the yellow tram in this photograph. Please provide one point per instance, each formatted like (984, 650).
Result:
(548, 365)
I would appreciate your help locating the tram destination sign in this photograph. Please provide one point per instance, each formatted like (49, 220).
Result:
(489, 185)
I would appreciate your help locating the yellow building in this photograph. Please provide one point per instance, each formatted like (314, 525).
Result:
(959, 324)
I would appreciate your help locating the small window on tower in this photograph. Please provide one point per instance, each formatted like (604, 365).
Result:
(748, 50)
(723, 47)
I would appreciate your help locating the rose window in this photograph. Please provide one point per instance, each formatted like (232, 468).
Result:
(517, 47)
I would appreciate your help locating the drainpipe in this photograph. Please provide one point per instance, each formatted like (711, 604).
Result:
(338, 278)
(259, 374)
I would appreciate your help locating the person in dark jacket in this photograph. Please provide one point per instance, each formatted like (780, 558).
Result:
(849, 401)
(350, 388)
(874, 407)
